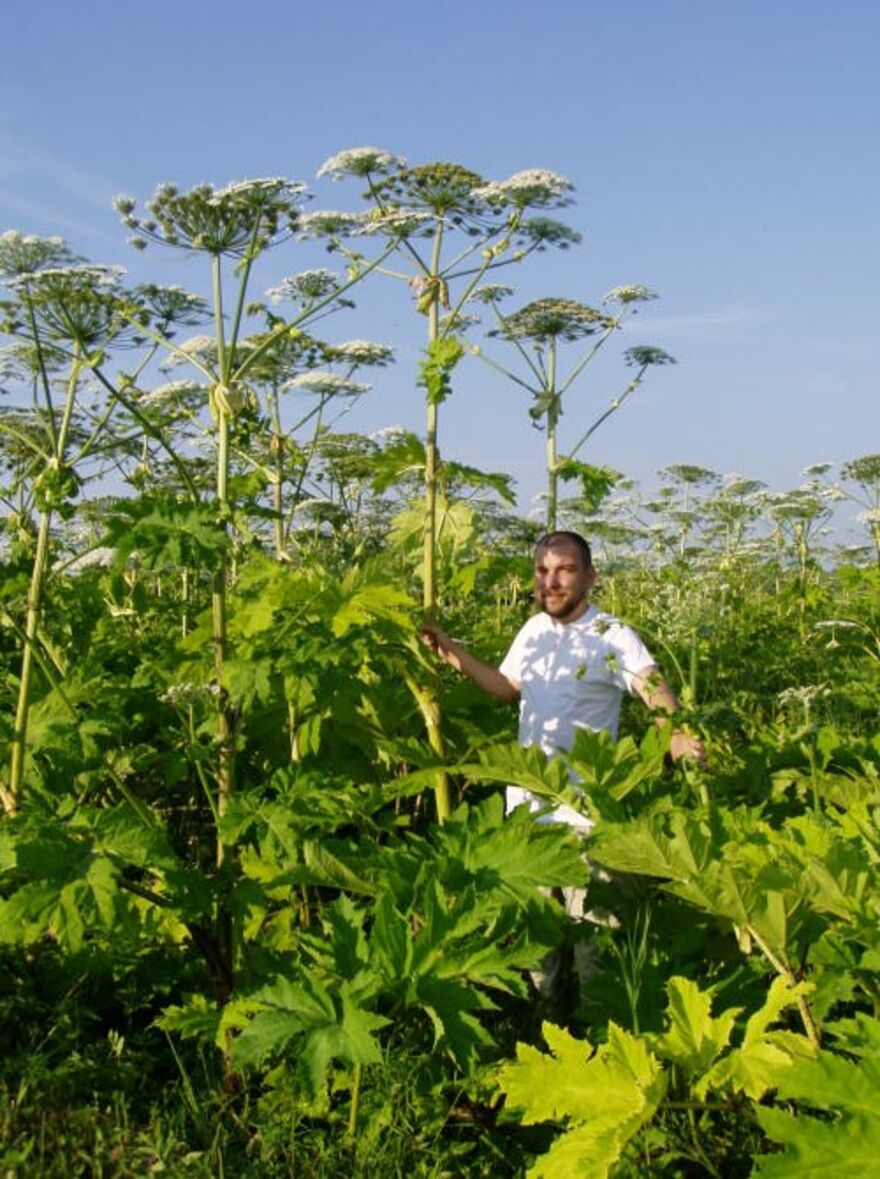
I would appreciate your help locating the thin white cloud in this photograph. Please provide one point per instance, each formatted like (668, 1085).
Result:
(703, 323)
(36, 184)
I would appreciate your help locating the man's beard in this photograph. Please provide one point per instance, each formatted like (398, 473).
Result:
(560, 606)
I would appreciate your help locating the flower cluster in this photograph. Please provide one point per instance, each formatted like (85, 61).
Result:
(328, 223)
(546, 319)
(25, 253)
(239, 220)
(360, 352)
(81, 305)
(201, 348)
(172, 394)
(537, 188)
(489, 293)
(325, 384)
(629, 293)
(542, 232)
(170, 304)
(305, 287)
(359, 161)
(643, 355)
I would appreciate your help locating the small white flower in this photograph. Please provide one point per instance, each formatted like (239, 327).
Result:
(359, 161)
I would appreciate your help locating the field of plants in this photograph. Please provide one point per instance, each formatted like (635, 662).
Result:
(261, 913)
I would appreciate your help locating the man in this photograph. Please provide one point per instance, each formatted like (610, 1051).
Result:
(568, 668)
(569, 665)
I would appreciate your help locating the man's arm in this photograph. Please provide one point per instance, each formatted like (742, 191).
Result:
(484, 675)
(660, 698)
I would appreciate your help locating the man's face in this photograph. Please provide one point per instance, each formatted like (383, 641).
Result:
(562, 581)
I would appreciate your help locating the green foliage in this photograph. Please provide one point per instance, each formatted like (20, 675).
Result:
(233, 940)
(435, 376)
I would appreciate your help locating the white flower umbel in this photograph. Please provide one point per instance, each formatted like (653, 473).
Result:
(815, 470)
(201, 348)
(361, 352)
(325, 384)
(399, 222)
(629, 293)
(306, 286)
(490, 292)
(547, 231)
(324, 223)
(23, 253)
(172, 392)
(238, 220)
(536, 187)
(642, 355)
(359, 161)
(56, 278)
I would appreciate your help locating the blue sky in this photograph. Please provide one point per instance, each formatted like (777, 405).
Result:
(725, 155)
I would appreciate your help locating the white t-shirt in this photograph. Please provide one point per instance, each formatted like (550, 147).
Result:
(571, 675)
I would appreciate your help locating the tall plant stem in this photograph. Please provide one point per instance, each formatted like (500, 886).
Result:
(19, 733)
(429, 704)
(34, 603)
(355, 1103)
(225, 725)
(781, 967)
(551, 442)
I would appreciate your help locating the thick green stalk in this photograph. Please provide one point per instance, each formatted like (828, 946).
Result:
(34, 601)
(429, 704)
(782, 967)
(225, 733)
(551, 441)
(276, 450)
(19, 733)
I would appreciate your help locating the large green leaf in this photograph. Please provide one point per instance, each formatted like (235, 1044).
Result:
(693, 1038)
(848, 1145)
(764, 1056)
(603, 1098)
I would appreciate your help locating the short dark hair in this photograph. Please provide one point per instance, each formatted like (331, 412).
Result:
(556, 539)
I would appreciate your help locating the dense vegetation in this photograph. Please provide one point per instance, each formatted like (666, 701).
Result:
(260, 911)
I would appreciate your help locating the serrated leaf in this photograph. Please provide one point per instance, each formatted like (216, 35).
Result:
(391, 939)
(589, 1151)
(196, 1019)
(369, 601)
(449, 1005)
(620, 1085)
(819, 1150)
(694, 1037)
(764, 1057)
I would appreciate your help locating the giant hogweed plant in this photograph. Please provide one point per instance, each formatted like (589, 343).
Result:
(65, 319)
(236, 224)
(536, 332)
(451, 228)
